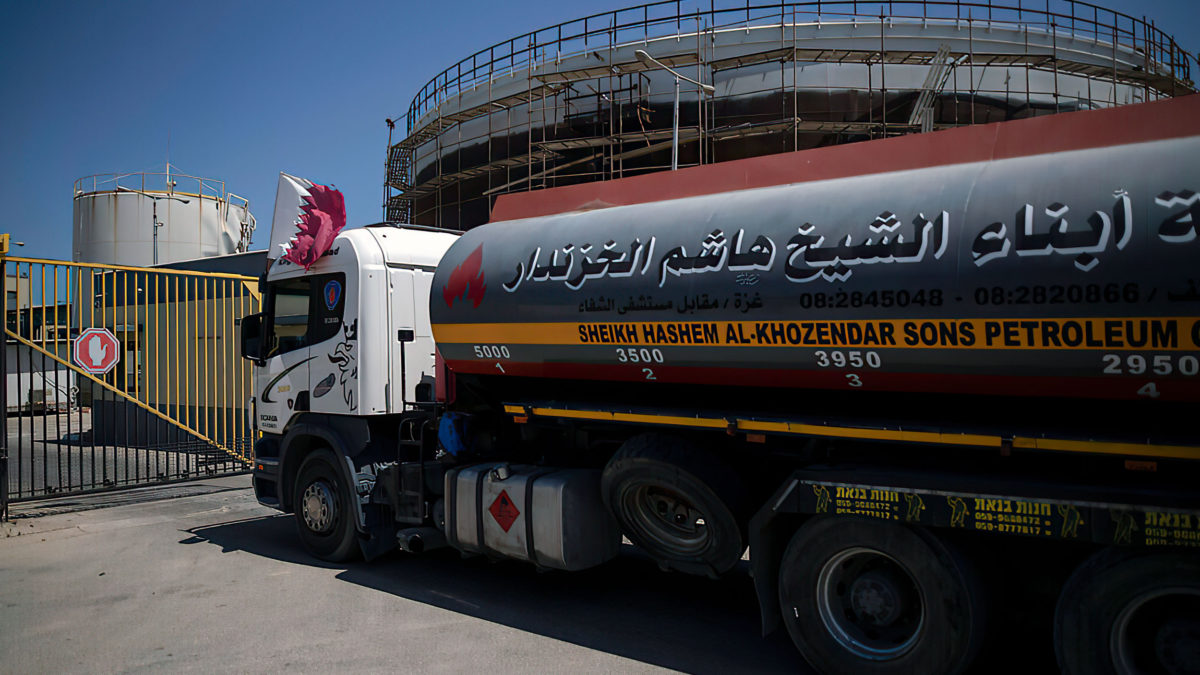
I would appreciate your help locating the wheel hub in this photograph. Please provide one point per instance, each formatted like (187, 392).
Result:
(666, 518)
(1177, 645)
(875, 598)
(318, 507)
(1159, 632)
(869, 604)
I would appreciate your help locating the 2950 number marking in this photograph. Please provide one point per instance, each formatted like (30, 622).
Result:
(1159, 364)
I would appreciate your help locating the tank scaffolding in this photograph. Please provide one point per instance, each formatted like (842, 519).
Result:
(573, 103)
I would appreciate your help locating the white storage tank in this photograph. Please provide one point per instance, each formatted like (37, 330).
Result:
(143, 219)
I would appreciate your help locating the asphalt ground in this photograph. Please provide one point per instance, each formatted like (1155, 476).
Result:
(198, 577)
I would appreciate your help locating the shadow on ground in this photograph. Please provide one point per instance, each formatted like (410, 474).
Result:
(626, 607)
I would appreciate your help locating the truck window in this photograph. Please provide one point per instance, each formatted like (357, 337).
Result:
(289, 318)
(306, 311)
(329, 301)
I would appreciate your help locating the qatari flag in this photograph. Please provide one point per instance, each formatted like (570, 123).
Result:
(307, 218)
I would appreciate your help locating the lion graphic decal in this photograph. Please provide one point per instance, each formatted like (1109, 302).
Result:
(346, 358)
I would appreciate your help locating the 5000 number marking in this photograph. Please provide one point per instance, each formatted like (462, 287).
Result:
(853, 358)
(492, 352)
(635, 355)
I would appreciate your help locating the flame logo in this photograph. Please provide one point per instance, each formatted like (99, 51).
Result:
(466, 281)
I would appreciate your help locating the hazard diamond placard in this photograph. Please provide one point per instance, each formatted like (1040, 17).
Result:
(504, 510)
(96, 350)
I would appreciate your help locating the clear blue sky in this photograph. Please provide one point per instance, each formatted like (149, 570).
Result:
(247, 89)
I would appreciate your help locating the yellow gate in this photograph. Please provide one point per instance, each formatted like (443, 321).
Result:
(172, 407)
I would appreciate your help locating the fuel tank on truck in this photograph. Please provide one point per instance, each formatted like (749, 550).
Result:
(1071, 274)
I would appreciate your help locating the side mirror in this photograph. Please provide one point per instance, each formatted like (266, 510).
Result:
(252, 338)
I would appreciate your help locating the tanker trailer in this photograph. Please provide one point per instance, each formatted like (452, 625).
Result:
(915, 396)
(1072, 276)
(990, 348)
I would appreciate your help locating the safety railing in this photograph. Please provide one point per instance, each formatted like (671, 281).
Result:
(669, 17)
(120, 376)
(152, 181)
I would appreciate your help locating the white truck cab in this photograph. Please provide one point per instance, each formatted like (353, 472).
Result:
(351, 335)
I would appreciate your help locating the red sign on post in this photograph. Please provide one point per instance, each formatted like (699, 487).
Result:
(97, 350)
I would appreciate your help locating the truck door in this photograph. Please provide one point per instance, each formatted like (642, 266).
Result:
(333, 336)
(305, 320)
(285, 373)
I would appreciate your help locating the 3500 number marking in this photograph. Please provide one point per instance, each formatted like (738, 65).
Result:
(643, 355)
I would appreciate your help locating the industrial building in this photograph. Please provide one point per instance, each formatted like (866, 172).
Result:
(595, 98)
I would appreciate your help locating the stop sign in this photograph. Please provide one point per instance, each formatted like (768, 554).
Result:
(97, 350)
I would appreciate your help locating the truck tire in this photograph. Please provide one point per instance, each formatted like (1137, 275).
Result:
(323, 509)
(1129, 611)
(868, 596)
(676, 502)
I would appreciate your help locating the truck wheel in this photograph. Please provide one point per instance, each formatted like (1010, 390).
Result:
(676, 502)
(866, 596)
(323, 509)
(1128, 611)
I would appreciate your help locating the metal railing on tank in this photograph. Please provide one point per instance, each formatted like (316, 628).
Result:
(663, 19)
(122, 376)
(152, 181)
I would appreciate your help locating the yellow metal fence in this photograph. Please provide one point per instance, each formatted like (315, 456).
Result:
(172, 407)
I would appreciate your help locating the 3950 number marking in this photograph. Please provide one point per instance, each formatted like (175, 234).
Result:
(853, 359)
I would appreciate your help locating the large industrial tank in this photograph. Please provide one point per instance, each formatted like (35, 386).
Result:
(146, 219)
(574, 103)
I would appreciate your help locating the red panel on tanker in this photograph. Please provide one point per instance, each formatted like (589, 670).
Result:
(1066, 274)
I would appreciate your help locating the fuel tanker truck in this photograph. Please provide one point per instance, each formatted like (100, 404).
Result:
(878, 376)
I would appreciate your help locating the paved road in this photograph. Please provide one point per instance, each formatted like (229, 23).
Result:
(212, 582)
(197, 577)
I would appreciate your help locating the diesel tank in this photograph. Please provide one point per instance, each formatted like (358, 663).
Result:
(1070, 274)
